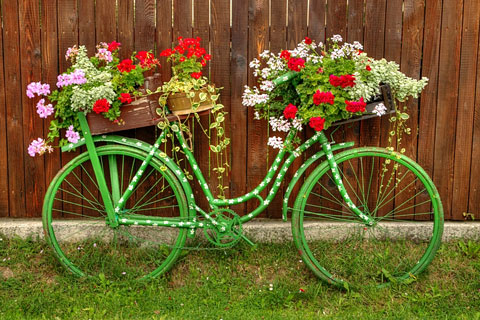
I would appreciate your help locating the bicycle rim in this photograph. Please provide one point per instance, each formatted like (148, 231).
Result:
(74, 217)
(392, 189)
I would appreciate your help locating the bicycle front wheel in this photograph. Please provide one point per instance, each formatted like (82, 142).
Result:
(74, 217)
(390, 188)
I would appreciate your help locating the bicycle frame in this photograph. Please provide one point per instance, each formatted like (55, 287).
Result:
(114, 203)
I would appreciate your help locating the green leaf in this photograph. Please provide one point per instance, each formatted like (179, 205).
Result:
(202, 96)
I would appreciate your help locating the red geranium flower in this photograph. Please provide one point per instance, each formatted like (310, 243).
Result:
(317, 123)
(147, 59)
(290, 111)
(100, 106)
(356, 106)
(368, 68)
(344, 81)
(125, 98)
(166, 53)
(296, 64)
(126, 65)
(323, 97)
(285, 54)
(112, 46)
(203, 63)
(207, 57)
(196, 75)
(308, 40)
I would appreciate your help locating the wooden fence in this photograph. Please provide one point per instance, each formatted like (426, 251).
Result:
(433, 38)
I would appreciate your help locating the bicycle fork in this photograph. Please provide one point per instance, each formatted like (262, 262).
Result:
(339, 182)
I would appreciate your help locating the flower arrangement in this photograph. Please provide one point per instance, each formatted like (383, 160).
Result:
(100, 84)
(328, 83)
(188, 59)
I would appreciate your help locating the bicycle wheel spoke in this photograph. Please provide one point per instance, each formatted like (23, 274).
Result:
(86, 243)
(367, 255)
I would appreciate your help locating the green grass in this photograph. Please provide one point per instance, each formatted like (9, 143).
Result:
(241, 283)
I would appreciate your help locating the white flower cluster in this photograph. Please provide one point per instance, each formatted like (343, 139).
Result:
(380, 109)
(284, 125)
(275, 142)
(337, 38)
(252, 97)
(267, 85)
(280, 124)
(383, 71)
(303, 50)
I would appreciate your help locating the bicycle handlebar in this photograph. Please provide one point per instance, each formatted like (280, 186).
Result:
(285, 78)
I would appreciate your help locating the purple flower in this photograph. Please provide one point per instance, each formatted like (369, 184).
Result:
(44, 110)
(104, 54)
(38, 146)
(71, 52)
(38, 88)
(76, 77)
(71, 135)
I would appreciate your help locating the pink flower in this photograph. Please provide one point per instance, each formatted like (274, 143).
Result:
(38, 88)
(71, 52)
(104, 54)
(44, 110)
(76, 77)
(71, 135)
(38, 146)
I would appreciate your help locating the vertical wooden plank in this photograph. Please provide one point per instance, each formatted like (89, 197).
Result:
(182, 18)
(412, 39)
(336, 24)
(31, 68)
(258, 39)
(164, 33)
(3, 136)
(106, 22)
(220, 68)
(67, 37)
(474, 196)
(374, 45)
(278, 41)
(393, 49)
(86, 37)
(16, 151)
(49, 38)
(238, 118)
(86, 24)
(125, 28)
(144, 35)
(336, 18)
(466, 107)
(296, 32)
(316, 27)
(355, 21)
(144, 25)
(201, 28)
(428, 102)
(450, 42)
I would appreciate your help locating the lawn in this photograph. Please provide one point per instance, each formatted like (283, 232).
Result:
(263, 282)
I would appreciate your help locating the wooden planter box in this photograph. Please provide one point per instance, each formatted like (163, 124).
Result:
(140, 113)
(384, 97)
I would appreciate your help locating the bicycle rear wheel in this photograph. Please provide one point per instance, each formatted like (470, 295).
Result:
(74, 217)
(392, 189)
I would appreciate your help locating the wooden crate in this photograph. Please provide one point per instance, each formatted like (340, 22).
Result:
(384, 97)
(140, 113)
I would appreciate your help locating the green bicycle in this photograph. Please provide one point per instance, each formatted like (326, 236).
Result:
(124, 208)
